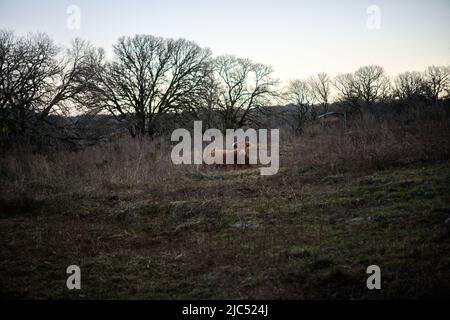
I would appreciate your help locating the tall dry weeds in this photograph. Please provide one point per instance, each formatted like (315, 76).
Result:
(370, 144)
(132, 164)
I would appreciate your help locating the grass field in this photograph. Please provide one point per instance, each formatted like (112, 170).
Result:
(236, 234)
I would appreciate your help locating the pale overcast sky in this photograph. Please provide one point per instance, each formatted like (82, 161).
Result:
(298, 38)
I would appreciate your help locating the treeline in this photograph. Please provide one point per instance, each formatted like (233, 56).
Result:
(151, 79)
(367, 87)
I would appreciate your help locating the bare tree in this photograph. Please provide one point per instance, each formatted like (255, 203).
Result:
(437, 79)
(207, 109)
(243, 87)
(38, 79)
(410, 85)
(149, 77)
(372, 84)
(321, 90)
(298, 93)
(347, 92)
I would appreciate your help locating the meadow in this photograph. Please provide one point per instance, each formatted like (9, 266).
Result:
(376, 192)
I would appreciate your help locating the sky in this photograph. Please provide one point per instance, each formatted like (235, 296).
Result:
(297, 38)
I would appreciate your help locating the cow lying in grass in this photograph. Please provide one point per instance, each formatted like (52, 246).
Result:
(239, 151)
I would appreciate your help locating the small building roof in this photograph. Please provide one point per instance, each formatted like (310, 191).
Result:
(331, 113)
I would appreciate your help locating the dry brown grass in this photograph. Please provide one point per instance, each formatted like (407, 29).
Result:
(140, 227)
(133, 164)
(369, 144)
(126, 162)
